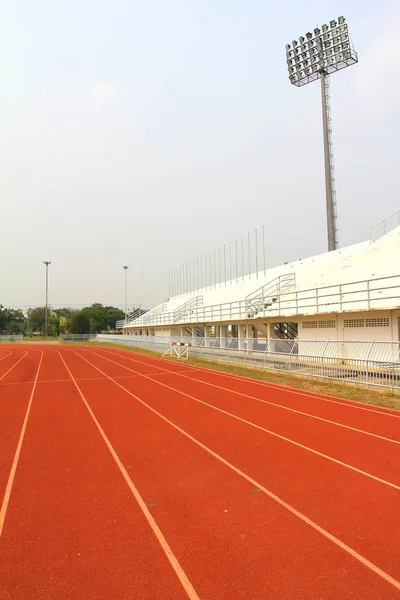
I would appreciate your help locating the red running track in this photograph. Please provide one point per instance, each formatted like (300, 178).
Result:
(124, 476)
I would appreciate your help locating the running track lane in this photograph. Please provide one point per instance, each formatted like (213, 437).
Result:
(340, 489)
(72, 529)
(378, 420)
(276, 547)
(9, 364)
(380, 457)
(14, 400)
(4, 353)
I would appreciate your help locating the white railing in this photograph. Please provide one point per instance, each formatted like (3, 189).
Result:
(384, 227)
(383, 292)
(138, 312)
(180, 313)
(341, 350)
(269, 293)
(84, 337)
(368, 363)
(11, 338)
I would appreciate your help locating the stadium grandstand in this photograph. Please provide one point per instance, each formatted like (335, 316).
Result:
(349, 295)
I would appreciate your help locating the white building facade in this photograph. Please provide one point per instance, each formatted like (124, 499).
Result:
(348, 295)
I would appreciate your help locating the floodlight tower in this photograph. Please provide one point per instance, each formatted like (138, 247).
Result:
(316, 57)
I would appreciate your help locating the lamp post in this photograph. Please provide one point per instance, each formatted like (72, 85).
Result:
(125, 267)
(46, 263)
(317, 57)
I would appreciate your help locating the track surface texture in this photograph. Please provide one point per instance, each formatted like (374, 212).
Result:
(124, 476)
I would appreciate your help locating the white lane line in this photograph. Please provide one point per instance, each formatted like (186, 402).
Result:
(354, 404)
(276, 405)
(260, 428)
(364, 561)
(186, 584)
(11, 477)
(3, 357)
(5, 383)
(13, 367)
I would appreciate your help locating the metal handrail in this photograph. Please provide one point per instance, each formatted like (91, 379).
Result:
(331, 298)
(384, 226)
(269, 293)
(183, 308)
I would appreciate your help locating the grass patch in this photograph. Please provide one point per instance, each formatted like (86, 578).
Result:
(384, 397)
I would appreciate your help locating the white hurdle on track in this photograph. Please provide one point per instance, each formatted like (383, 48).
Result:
(180, 350)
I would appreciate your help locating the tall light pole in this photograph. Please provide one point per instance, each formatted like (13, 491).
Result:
(47, 263)
(317, 57)
(125, 267)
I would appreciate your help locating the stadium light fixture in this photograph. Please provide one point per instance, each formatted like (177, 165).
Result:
(322, 53)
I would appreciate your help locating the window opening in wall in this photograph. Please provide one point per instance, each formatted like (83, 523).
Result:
(310, 324)
(330, 324)
(377, 322)
(354, 323)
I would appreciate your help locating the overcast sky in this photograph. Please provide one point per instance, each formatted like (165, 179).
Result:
(146, 133)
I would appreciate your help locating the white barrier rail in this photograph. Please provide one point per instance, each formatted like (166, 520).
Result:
(354, 362)
(383, 292)
(11, 338)
(384, 227)
(79, 337)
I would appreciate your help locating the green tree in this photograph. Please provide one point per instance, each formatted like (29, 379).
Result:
(97, 316)
(17, 321)
(112, 315)
(53, 326)
(3, 318)
(63, 325)
(80, 322)
(36, 319)
(12, 321)
(65, 317)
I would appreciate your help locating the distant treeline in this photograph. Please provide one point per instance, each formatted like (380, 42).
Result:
(90, 319)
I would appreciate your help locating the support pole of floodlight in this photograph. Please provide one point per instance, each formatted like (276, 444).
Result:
(46, 317)
(330, 190)
(317, 57)
(125, 267)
